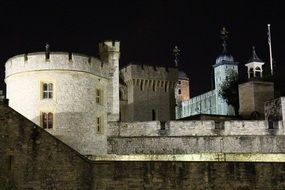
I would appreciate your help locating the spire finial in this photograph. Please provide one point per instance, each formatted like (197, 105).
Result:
(176, 53)
(254, 57)
(224, 36)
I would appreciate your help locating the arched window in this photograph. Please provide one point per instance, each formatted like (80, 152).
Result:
(257, 72)
(251, 73)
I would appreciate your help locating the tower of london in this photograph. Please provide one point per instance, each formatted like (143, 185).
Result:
(72, 121)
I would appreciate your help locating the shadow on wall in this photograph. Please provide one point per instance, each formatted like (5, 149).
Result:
(75, 129)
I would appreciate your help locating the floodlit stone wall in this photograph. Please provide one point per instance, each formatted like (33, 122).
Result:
(74, 107)
(150, 92)
(184, 137)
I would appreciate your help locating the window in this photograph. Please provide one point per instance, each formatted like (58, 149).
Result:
(179, 91)
(166, 88)
(47, 120)
(47, 90)
(99, 125)
(179, 82)
(98, 96)
(153, 86)
(141, 86)
(153, 115)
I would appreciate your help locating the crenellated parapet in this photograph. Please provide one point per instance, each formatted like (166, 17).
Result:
(149, 75)
(56, 61)
(109, 50)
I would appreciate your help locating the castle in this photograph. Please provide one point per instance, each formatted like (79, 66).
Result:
(113, 117)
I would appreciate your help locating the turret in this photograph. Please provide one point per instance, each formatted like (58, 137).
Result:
(254, 66)
(109, 52)
(223, 68)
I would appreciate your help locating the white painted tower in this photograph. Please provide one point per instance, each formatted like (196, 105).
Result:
(225, 67)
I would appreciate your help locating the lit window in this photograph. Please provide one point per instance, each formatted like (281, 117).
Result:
(47, 90)
(47, 120)
(99, 125)
(98, 96)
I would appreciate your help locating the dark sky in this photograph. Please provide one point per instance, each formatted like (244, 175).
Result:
(148, 30)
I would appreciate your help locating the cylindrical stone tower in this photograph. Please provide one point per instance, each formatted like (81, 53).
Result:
(64, 93)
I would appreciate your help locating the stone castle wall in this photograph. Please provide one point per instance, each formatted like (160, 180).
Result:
(57, 61)
(150, 92)
(202, 104)
(73, 105)
(185, 137)
(188, 175)
(31, 158)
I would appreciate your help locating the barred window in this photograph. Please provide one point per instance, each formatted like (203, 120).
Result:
(47, 90)
(47, 120)
(98, 96)
(99, 125)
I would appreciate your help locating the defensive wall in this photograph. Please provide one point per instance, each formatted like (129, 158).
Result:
(275, 109)
(150, 92)
(33, 159)
(56, 61)
(188, 137)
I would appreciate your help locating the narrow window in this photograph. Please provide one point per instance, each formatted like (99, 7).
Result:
(99, 126)
(165, 88)
(98, 96)
(10, 162)
(179, 91)
(179, 82)
(141, 86)
(47, 90)
(47, 120)
(153, 86)
(153, 115)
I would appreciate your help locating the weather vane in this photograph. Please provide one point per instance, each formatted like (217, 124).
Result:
(224, 36)
(176, 53)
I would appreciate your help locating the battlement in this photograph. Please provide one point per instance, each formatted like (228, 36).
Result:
(39, 61)
(109, 46)
(148, 72)
(194, 128)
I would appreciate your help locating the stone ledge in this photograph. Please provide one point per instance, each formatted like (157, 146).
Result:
(202, 157)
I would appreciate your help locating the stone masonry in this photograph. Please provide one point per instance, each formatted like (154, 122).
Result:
(32, 159)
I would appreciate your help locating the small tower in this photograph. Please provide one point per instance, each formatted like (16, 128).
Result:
(109, 52)
(224, 67)
(254, 66)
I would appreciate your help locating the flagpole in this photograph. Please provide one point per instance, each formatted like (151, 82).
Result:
(270, 49)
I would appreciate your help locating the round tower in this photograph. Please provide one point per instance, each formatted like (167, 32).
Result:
(65, 93)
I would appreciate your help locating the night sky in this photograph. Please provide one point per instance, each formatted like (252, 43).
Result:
(148, 31)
